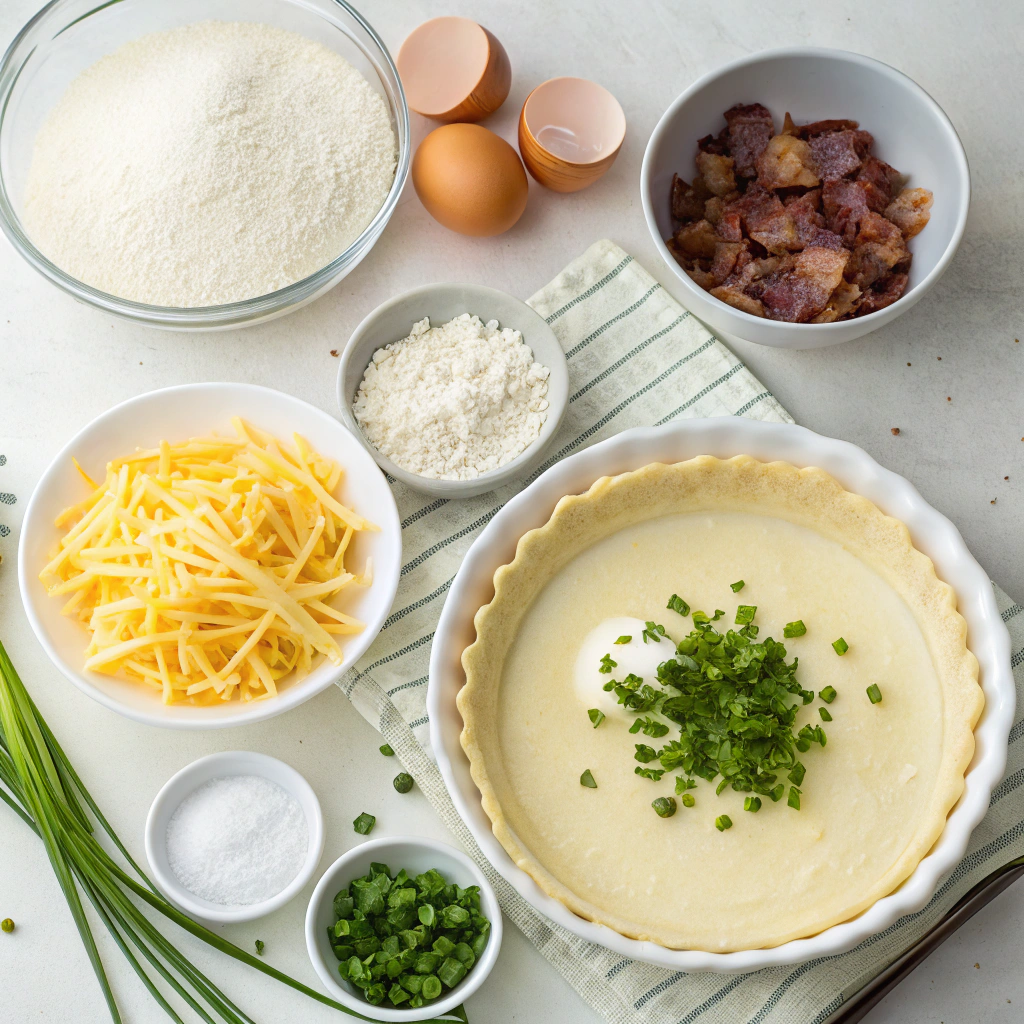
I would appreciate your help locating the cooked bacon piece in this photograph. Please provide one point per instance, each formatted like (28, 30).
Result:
(730, 226)
(786, 162)
(838, 154)
(910, 210)
(889, 290)
(719, 145)
(885, 179)
(750, 128)
(688, 200)
(844, 203)
(702, 278)
(802, 293)
(735, 297)
(871, 262)
(805, 131)
(730, 258)
(717, 172)
(697, 240)
(765, 219)
(804, 211)
(875, 229)
(841, 304)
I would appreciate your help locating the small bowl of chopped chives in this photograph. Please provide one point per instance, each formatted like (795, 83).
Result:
(403, 928)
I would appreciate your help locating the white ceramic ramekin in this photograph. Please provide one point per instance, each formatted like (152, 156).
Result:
(218, 766)
(725, 437)
(416, 854)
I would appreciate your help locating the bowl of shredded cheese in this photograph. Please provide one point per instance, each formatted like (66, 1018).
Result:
(208, 555)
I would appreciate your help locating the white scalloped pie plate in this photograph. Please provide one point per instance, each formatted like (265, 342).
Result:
(725, 437)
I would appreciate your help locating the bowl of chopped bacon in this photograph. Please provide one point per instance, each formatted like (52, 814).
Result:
(804, 197)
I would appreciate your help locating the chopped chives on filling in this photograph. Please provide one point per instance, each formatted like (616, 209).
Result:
(624, 639)
(825, 716)
(722, 822)
(745, 614)
(587, 779)
(828, 695)
(840, 646)
(874, 694)
(792, 629)
(737, 586)
(596, 716)
(677, 604)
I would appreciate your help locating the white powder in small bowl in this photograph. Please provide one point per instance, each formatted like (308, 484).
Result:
(237, 841)
(454, 401)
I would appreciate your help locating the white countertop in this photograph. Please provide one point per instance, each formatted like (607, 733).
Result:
(63, 364)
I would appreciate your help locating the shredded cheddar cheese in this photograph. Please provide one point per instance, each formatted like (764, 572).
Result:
(205, 569)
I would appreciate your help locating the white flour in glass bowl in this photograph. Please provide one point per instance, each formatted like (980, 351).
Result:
(208, 164)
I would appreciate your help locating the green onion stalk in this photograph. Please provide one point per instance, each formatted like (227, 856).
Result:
(39, 784)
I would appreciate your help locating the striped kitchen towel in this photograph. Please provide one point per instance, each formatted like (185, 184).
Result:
(636, 358)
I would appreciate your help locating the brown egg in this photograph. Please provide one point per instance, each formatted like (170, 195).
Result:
(470, 180)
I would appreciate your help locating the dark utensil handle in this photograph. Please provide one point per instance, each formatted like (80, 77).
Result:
(858, 1005)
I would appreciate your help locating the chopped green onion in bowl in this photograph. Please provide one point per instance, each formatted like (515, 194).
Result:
(403, 940)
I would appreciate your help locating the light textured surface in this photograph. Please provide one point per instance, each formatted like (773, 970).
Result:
(64, 364)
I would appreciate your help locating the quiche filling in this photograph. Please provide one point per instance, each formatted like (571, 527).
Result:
(674, 836)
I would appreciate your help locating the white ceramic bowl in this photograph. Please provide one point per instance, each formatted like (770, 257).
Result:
(725, 437)
(392, 321)
(67, 36)
(911, 133)
(415, 854)
(219, 766)
(175, 414)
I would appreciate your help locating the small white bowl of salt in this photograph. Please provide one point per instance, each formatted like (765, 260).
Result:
(234, 836)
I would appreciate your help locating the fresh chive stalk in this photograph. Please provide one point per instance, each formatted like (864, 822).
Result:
(39, 784)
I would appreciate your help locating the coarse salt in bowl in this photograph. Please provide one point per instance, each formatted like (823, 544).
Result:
(230, 765)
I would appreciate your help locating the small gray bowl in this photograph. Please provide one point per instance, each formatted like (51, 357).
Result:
(393, 320)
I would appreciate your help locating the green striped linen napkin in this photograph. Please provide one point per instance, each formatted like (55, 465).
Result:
(636, 358)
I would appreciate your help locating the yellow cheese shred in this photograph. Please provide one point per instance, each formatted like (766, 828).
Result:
(205, 570)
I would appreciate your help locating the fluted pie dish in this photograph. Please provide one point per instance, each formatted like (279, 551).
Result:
(744, 870)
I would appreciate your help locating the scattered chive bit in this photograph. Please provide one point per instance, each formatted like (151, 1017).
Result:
(792, 629)
(737, 586)
(752, 804)
(796, 774)
(587, 779)
(718, 615)
(260, 946)
(687, 799)
(596, 716)
(402, 782)
(7, 925)
(682, 785)
(745, 614)
(402, 940)
(364, 824)
(385, 749)
(664, 806)
(840, 646)
(828, 695)
(825, 716)
(652, 631)
(645, 754)
(794, 798)
(649, 726)
(654, 774)
(701, 618)
(607, 664)
(722, 822)
(874, 694)
(677, 604)
(776, 792)
(624, 639)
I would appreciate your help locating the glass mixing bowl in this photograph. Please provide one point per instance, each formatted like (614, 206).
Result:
(67, 36)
